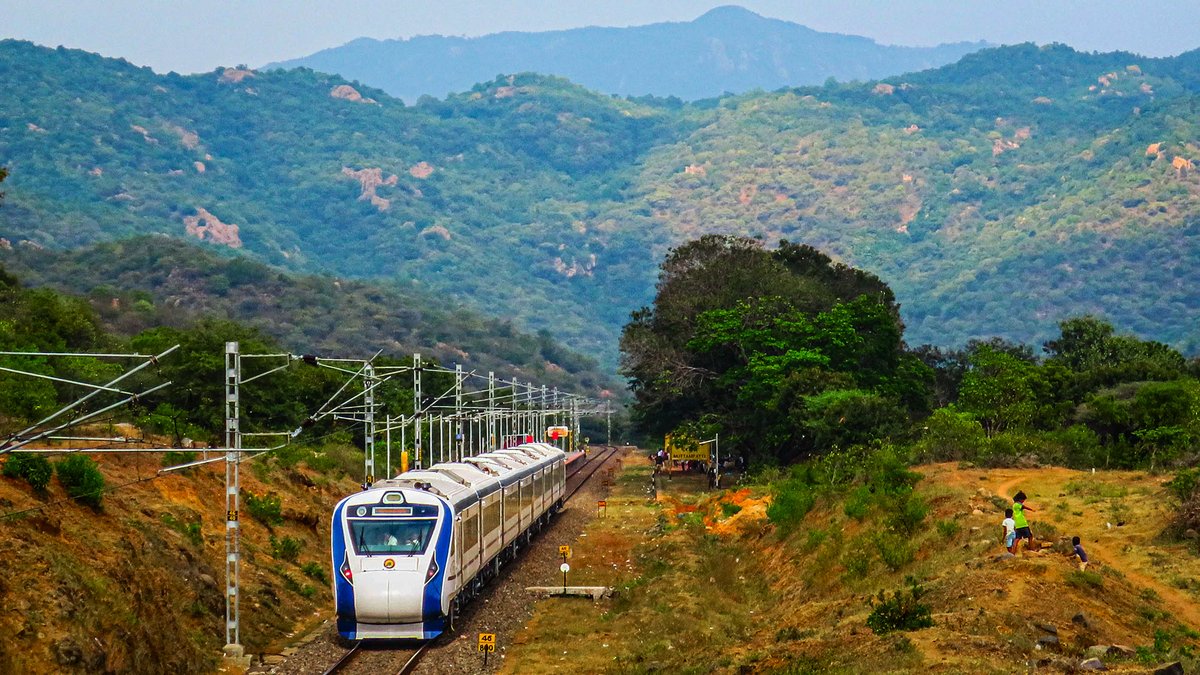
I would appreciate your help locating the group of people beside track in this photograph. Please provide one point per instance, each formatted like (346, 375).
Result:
(1015, 527)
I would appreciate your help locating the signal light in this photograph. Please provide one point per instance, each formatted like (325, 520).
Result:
(433, 570)
(345, 570)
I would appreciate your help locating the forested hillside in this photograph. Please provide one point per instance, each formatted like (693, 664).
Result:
(149, 282)
(996, 196)
(727, 50)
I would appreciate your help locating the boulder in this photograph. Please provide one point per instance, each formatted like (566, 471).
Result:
(1097, 650)
(1047, 642)
(1093, 664)
(1047, 628)
(1121, 650)
(1081, 619)
(1169, 669)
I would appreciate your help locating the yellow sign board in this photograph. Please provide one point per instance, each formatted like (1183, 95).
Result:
(685, 449)
(487, 642)
(564, 550)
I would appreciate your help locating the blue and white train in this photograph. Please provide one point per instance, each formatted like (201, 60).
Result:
(411, 549)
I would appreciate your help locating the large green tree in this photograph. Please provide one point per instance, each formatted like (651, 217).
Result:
(783, 351)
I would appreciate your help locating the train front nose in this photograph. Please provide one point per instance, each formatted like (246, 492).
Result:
(391, 590)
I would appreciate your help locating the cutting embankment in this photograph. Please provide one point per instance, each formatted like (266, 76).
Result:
(706, 580)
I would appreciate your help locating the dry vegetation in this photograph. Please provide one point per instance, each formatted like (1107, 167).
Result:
(138, 585)
(706, 582)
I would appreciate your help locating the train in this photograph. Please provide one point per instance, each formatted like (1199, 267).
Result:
(409, 551)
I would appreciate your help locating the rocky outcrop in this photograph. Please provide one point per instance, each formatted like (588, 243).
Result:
(235, 75)
(371, 180)
(884, 89)
(207, 227)
(348, 93)
(435, 231)
(145, 134)
(421, 170)
(190, 139)
(1182, 166)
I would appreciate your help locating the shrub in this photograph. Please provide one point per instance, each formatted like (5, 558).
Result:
(792, 501)
(901, 610)
(35, 469)
(948, 528)
(1084, 580)
(1183, 486)
(908, 512)
(177, 457)
(286, 549)
(857, 562)
(315, 571)
(895, 551)
(858, 503)
(81, 478)
(267, 509)
(728, 509)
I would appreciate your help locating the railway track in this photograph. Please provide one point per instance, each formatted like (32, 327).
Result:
(585, 472)
(378, 660)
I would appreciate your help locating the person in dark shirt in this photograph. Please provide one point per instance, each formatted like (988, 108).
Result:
(1080, 553)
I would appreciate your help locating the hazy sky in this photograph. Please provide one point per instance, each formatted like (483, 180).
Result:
(198, 35)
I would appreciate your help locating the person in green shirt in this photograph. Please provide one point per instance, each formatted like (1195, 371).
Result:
(1023, 532)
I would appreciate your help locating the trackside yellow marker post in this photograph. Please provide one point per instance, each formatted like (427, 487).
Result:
(487, 645)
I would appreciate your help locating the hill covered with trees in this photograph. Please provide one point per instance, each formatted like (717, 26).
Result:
(996, 196)
(146, 283)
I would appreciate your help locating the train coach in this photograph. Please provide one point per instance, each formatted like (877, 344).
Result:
(409, 551)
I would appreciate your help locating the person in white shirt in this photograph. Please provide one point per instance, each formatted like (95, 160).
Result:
(1010, 530)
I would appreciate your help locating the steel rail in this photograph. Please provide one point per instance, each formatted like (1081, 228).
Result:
(612, 450)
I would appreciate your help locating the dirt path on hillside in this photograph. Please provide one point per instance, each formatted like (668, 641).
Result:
(1124, 555)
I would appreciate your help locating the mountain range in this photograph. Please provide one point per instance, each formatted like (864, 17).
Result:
(727, 50)
(996, 195)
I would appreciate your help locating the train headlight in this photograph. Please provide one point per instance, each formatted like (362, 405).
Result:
(345, 570)
(433, 569)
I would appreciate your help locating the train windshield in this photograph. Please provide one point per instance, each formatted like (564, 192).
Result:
(391, 537)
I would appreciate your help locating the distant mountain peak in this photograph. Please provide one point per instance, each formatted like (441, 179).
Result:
(727, 13)
(727, 49)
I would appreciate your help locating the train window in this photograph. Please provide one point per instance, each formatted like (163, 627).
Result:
(470, 530)
(526, 493)
(511, 502)
(491, 516)
(391, 537)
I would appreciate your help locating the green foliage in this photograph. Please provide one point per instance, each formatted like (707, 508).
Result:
(315, 571)
(949, 529)
(791, 501)
(900, 610)
(906, 513)
(1183, 486)
(857, 562)
(800, 355)
(34, 469)
(895, 551)
(177, 457)
(729, 509)
(191, 531)
(1085, 580)
(286, 549)
(950, 435)
(266, 509)
(81, 478)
